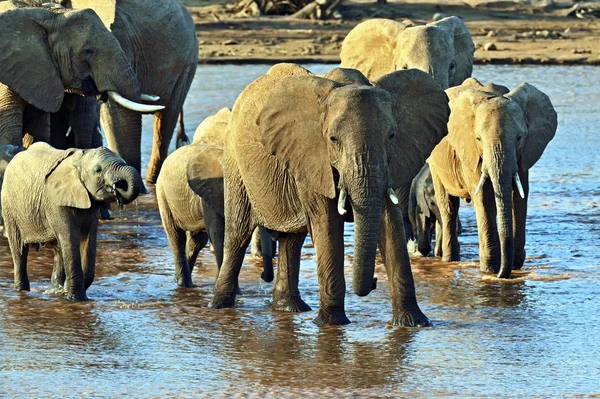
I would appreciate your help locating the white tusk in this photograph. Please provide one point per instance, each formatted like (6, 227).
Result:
(519, 186)
(52, 5)
(393, 196)
(68, 131)
(100, 132)
(342, 202)
(481, 182)
(149, 97)
(119, 99)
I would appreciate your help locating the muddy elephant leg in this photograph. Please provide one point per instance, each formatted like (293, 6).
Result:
(439, 234)
(57, 281)
(327, 233)
(286, 295)
(403, 199)
(88, 255)
(423, 234)
(256, 244)
(69, 244)
(123, 129)
(19, 255)
(487, 230)
(194, 243)
(215, 226)
(238, 232)
(448, 206)
(520, 219)
(267, 249)
(392, 245)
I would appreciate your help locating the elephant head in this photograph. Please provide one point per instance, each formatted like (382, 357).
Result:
(354, 140)
(444, 49)
(212, 129)
(44, 54)
(77, 177)
(499, 132)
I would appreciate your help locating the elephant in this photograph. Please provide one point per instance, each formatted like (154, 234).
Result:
(444, 49)
(299, 149)
(161, 45)
(60, 207)
(424, 213)
(494, 137)
(7, 153)
(189, 191)
(44, 56)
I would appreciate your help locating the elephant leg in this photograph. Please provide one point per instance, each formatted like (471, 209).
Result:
(448, 206)
(19, 254)
(88, 255)
(403, 199)
(286, 295)
(182, 138)
(238, 232)
(70, 244)
(392, 245)
(215, 226)
(327, 233)
(267, 253)
(438, 238)
(520, 218)
(57, 284)
(423, 230)
(256, 244)
(194, 243)
(487, 230)
(123, 129)
(177, 241)
(12, 109)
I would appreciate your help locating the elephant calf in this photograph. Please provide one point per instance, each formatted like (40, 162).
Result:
(53, 196)
(190, 198)
(494, 137)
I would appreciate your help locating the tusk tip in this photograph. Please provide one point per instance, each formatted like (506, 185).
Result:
(149, 97)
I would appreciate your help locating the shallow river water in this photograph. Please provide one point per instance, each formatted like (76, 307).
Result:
(536, 335)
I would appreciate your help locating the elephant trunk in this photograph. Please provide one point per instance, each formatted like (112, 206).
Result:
(366, 196)
(126, 181)
(501, 171)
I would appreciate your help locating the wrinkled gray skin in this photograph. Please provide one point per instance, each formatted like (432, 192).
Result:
(65, 188)
(161, 44)
(7, 153)
(424, 213)
(189, 191)
(66, 52)
(296, 143)
(76, 124)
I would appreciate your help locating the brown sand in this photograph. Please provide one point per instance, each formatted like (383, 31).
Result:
(522, 34)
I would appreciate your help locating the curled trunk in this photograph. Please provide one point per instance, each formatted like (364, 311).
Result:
(127, 183)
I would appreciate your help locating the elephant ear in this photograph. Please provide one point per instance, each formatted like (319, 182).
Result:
(63, 179)
(213, 128)
(28, 68)
(463, 47)
(421, 111)
(541, 121)
(106, 9)
(461, 125)
(370, 47)
(347, 76)
(291, 130)
(205, 175)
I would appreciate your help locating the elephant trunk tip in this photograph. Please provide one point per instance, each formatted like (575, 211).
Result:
(504, 272)
(364, 288)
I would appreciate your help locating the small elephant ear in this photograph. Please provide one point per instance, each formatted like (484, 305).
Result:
(463, 47)
(63, 182)
(106, 9)
(541, 121)
(347, 76)
(421, 111)
(370, 47)
(27, 65)
(205, 175)
(291, 130)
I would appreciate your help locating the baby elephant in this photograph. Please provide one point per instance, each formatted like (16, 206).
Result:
(53, 196)
(189, 191)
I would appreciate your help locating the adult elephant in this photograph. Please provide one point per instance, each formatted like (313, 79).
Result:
(161, 44)
(444, 49)
(305, 154)
(44, 54)
(494, 137)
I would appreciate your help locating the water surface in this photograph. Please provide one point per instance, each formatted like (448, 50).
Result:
(141, 336)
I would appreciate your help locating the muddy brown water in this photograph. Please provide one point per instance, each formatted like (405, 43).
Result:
(535, 335)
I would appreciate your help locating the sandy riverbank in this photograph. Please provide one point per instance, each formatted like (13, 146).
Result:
(522, 33)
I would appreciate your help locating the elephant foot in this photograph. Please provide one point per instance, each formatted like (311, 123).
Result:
(450, 258)
(55, 290)
(413, 318)
(293, 304)
(184, 281)
(486, 266)
(24, 286)
(222, 300)
(335, 318)
(182, 140)
(77, 297)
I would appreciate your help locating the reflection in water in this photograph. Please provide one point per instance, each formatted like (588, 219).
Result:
(141, 336)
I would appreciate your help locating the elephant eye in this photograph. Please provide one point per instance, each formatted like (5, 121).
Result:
(478, 138)
(98, 169)
(334, 139)
(392, 135)
(405, 66)
(88, 51)
(452, 66)
(518, 138)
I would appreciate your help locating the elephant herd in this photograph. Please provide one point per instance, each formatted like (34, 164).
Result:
(297, 153)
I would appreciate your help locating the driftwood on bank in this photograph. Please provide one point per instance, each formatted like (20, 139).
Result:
(312, 9)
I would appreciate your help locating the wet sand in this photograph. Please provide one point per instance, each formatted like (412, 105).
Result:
(523, 33)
